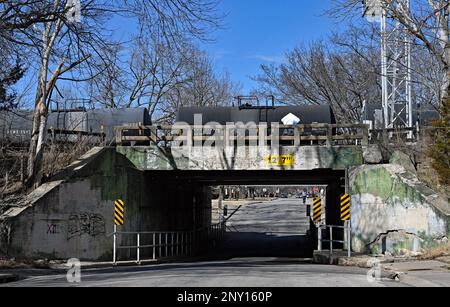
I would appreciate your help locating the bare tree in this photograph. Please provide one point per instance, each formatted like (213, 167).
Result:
(107, 87)
(12, 72)
(156, 69)
(426, 20)
(12, 69)
(70, 51)
(342, 73)
(163, 78)
(201, 87)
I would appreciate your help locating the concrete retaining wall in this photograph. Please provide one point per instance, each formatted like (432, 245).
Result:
(393, 212)
(73, 217)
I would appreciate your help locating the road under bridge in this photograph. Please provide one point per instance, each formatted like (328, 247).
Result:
(167, 194)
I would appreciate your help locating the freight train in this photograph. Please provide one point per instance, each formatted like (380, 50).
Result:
(67, 125)
(248, 110)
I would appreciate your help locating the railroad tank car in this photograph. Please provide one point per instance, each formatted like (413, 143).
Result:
(109, 119)
(16, 126)
(223, 115)
(320, 114)
(423, 115)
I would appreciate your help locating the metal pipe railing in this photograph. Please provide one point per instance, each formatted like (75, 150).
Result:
(347, 237)
(169, 244)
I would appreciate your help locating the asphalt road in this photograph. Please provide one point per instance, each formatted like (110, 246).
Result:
(269, 229)
(268, 247)
(248, 272)
(278, 217)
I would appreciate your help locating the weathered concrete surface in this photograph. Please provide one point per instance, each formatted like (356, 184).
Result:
(72, 217)
(247, 158)
(372, 154)
(404, 160)
(393, 212)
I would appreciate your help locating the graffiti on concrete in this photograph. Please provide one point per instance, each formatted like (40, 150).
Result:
(86, 224)
(52, 229)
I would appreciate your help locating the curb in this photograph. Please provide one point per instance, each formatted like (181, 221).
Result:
(110, 265)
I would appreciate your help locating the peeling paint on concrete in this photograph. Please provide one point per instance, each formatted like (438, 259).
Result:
(387, 198)
(243, 158)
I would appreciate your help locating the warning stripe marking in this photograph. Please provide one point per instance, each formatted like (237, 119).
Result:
(120, 205)
(346, 207)
(345, 197)
(119, 216)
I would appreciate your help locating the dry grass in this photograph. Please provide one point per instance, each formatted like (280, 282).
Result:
(13, 163)
(437, 252)
(425, 170)
(23, 264)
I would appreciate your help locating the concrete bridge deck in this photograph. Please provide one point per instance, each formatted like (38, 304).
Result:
(152, 157)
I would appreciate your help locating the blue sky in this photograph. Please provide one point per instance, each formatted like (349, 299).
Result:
(261, 31)
(255, 32)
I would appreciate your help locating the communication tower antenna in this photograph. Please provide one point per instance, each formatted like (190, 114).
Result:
(395, 62)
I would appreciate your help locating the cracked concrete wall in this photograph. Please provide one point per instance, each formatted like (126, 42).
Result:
(73, 217)
(393, 212)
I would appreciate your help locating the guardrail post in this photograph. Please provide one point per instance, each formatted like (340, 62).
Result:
(319, 235)
(172, 245)
(177, 251)
(190, 138)
(114, 245)
(349, 238)
(154, 246)
(183, 250)
(160, 245)
(138, 248)
(365, 140)
(331, 240)
(329, 136)
(167, 244)
(119, 133)
(190, 243)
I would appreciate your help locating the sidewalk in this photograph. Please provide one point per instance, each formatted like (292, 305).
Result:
(407, 270)
(426, 273)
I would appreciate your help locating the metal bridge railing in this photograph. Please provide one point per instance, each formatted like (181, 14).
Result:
(346, 242)
(307, 134)
(171, 244)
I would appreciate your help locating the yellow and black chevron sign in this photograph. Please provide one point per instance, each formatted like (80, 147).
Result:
(346, 207)
(317, 210)
(119, 213)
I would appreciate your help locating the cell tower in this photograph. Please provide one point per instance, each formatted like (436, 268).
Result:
(395, 62)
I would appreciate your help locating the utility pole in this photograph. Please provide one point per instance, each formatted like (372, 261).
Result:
(395, 62)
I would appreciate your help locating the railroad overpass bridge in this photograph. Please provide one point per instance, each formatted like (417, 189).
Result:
(165, 179)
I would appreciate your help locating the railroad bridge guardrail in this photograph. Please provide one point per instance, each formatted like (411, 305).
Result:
(310, 134)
